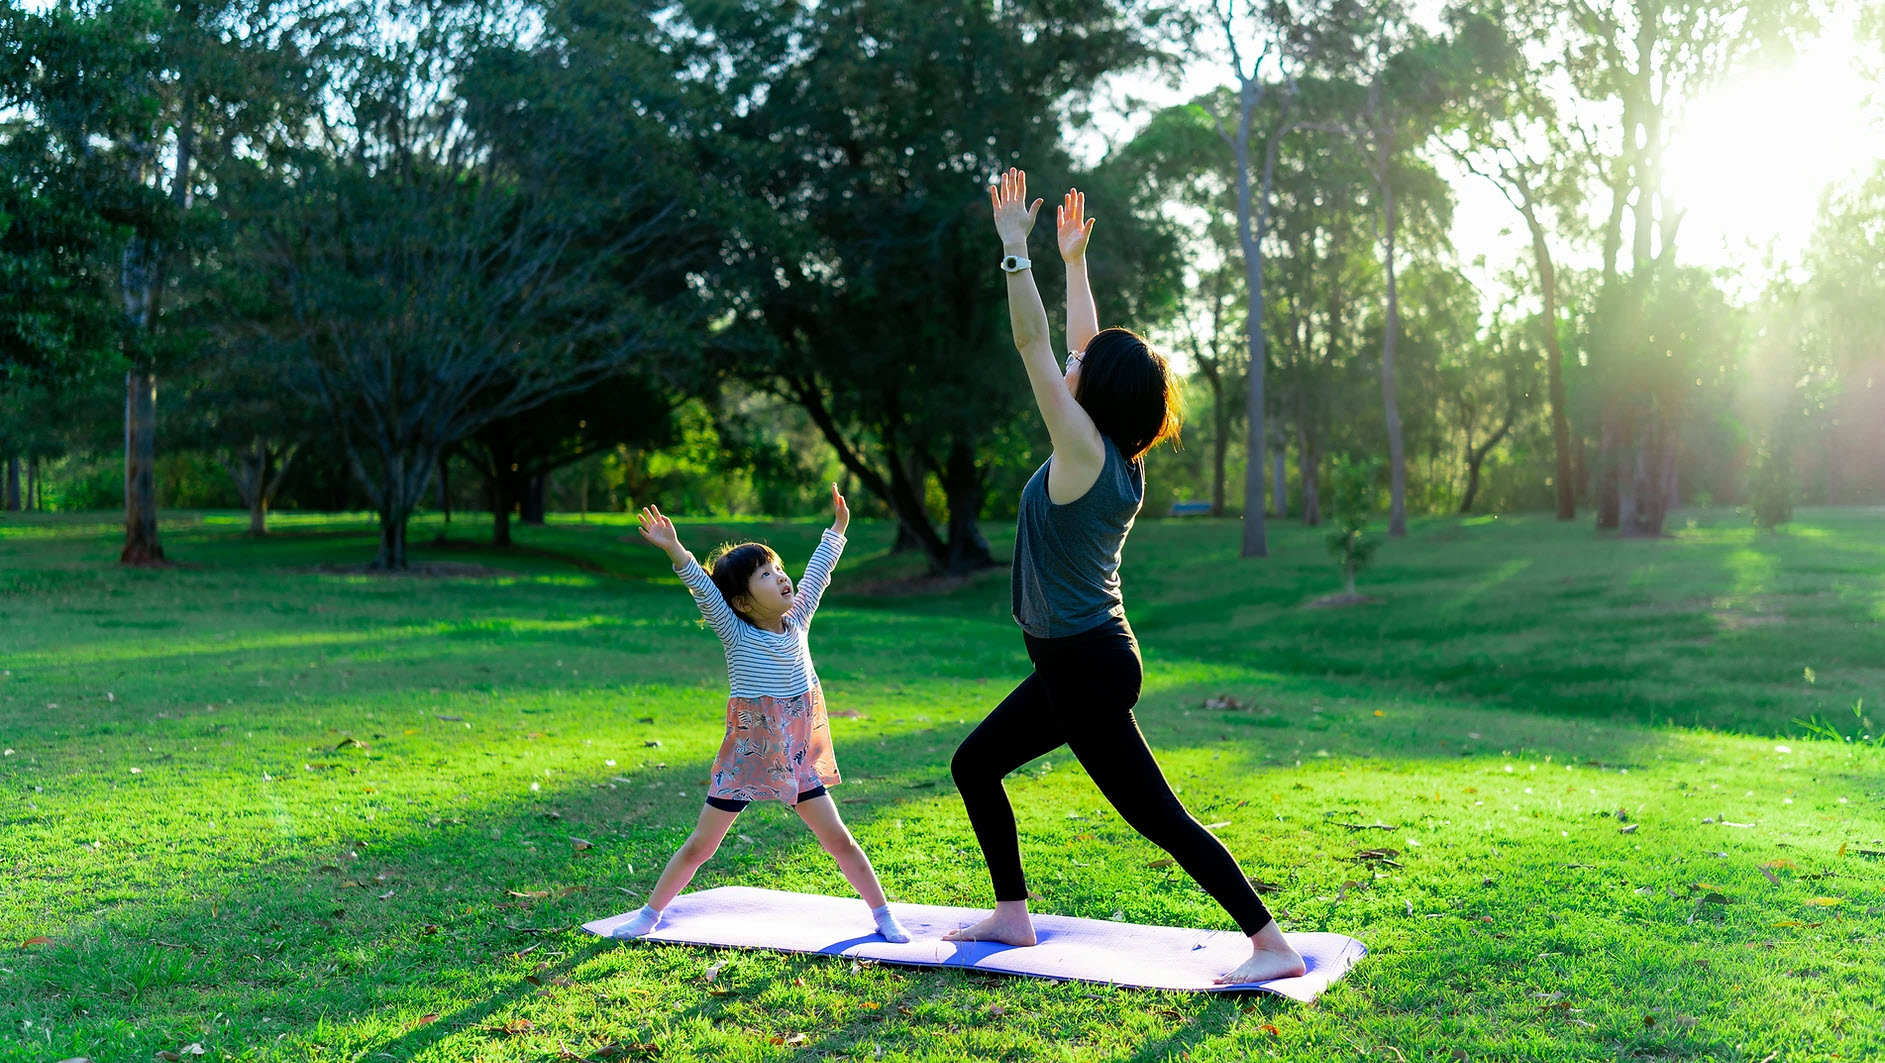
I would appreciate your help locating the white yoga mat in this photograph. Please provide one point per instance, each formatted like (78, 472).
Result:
(1087, 950)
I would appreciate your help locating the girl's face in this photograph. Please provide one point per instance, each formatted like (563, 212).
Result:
(769, 592)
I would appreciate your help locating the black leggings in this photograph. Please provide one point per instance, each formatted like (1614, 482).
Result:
(733, 804)
(1081, 695)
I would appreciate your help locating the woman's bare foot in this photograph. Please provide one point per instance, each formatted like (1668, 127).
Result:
(1008, 924)
(1270, 957)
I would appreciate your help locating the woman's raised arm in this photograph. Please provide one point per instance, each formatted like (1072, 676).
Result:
(1072, 229)
(1076, 441)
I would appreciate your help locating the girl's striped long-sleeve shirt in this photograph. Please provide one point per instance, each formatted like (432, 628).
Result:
(778, 739)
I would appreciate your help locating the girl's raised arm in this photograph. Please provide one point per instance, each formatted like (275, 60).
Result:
(1077, 447)
(659, 531)
(818, 570)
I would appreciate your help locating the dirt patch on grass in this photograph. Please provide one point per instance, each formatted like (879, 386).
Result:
(906, 586)
(1342, 601)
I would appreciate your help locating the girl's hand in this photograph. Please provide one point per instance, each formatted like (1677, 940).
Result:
(659, 531)
(1013, 221)
(843, 518)
(1070, 230)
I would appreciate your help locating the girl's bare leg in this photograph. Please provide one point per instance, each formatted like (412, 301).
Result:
(821, 815)
(695, 851)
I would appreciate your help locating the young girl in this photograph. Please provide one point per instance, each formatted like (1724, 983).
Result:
(778, 742)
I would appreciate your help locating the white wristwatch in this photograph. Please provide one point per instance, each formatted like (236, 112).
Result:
(1014, 264)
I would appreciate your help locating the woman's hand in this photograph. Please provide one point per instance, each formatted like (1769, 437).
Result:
(1071, 227)
(659, 531)
(843, 518)
(1013, 221)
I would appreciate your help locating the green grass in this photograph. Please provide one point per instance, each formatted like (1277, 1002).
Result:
(286, 813)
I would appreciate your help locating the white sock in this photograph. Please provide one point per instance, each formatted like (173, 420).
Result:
(640, 923)
(888, 926)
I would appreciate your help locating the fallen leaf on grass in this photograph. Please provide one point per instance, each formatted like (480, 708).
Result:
(1628, 828)
(1269, 1029)
(1823, 902)
(514, 1028)
(1771, 877)
(1780, 864)
(997, 1010)
(713, 972)
(795, 1039)
(351, 743)
(1796, 922)
(1163, 861)
(427, 1019)
(36, 941)
(529, 894)
(580, 844)
(1219, 823)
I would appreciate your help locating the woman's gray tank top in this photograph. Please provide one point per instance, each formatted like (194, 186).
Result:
(1066, 558)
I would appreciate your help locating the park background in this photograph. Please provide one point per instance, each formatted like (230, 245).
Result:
(1529, 631)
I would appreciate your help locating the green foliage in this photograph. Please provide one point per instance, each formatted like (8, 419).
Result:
(1770, 488)
(1354, 486)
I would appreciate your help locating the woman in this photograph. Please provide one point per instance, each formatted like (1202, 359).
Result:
(1116, 401)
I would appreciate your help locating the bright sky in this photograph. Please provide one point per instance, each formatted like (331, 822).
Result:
(1751, 162)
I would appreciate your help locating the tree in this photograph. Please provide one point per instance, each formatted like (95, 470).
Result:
(474, 253)
(1353, 484)
(1642, 57)
(516, 454)
(1411, 78)
(1290, 39)
(1508, 129)
(147, 103)
(859, 284)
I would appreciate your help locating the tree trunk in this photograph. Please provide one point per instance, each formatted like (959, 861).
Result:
(258, 502)
(392, 555)
(1554, 364)
(1279, 483)
(1476, 456)
(141, 546)
(32, 484)
(1308, 459)
(583, 495)
(445, 491)
(534, 500)
(906, 538)
(1609, 495)
(501, 504)
(1397, 461)
(1220, 440)
(965, 487)
(13, 484)
(1252, 221)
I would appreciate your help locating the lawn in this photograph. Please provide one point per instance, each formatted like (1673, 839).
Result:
(264, 807)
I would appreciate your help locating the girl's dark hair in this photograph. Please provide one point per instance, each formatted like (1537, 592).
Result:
(731, 568)
(1129, 391)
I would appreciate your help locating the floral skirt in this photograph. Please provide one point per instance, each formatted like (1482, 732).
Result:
(775, 749)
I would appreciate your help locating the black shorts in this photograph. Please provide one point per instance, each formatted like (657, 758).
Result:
(727, 804)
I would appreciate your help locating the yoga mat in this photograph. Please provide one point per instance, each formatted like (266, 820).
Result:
(1086, 950)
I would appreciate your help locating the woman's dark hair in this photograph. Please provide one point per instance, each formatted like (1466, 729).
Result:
(731, 568)
(1129, 391)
